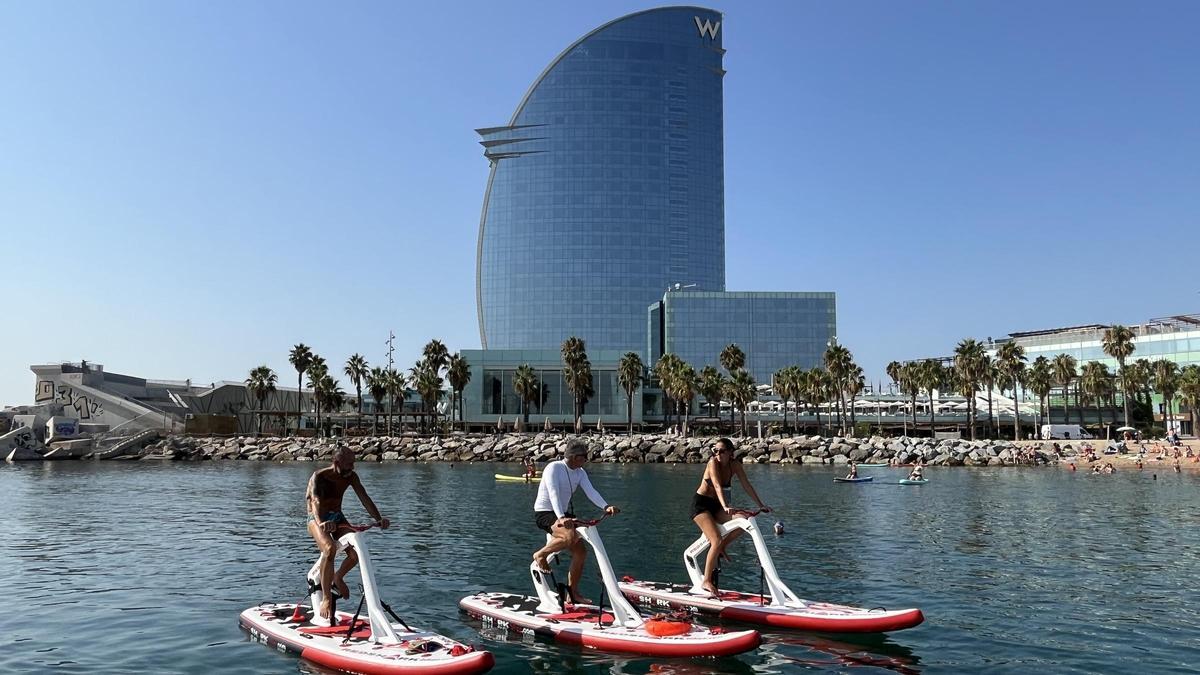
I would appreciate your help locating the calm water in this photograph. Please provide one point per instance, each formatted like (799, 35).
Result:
(119, 567)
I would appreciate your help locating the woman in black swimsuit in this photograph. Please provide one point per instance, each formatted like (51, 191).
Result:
(710, 508)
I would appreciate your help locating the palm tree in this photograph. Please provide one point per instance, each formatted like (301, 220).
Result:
(435, 355)
(910, 385)
(260, 385)
(630, 372)
(1011, 358)
(1095, 381)
(527, 388)
(838, 363)
(1144, 371)
(893, 371)
(577, 375)
(357, 370)
(987, 378)
(780, 386)
(665, 370)
(1189, 393)
(1041, 382)
(1117, 343)
(1064, 373)
(395, 383)
(855, 383)
(685, 383)
(317, 371)
(377, 387)
(428, 383)
(930, 377)
(814, 384)
(458, 373)
(1166, 382)
(741, 391)
(300, 357)
(331, 396)
(712, 384)
(968, 365)
(732, 358)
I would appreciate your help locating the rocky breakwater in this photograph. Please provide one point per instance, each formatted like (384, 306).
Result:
(647, 448)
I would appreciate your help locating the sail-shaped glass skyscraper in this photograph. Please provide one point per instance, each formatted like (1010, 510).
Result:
(606, 186)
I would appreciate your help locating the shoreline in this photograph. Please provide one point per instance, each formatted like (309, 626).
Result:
(637, 449)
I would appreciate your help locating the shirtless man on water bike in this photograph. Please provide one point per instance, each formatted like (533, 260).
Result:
(326, 522)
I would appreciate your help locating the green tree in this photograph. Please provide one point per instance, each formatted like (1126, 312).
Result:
(527, 388)
(395, 383)
(968, 369)
(816, 391)
(436, 356)
(1011, 359)
(988, 374)
(260, 385)
(1117, 343)
(458, 373)
(1040, 380)
(856, 381)
(838, 363)
(317, 371)
(357, 370)
(712, 385)
(1189, 393)
(1064, 366)
(1095, 383)
(377, 387)
(300, 357)
(1166, 382)
(428, 382)
(740, 391)
(684, 384)
(630, 373)
(732, 358)
(665, 370)
(930, 377)
(577, 376)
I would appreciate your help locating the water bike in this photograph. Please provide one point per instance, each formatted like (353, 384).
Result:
(774, 604)
(913, 481)
(372, 644)
(616, 628)
(860, 479)
(517, 479)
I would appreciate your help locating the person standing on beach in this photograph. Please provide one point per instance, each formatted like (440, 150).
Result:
(554, 513)
(710, 507)
(326, 522)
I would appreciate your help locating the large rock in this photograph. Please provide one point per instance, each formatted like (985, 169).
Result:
(859, 454)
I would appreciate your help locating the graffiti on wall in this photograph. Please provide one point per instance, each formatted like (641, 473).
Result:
(85, 407)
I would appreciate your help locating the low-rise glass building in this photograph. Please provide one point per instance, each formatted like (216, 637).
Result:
(774, 329)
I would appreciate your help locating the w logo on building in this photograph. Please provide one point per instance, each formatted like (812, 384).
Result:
(707, 27)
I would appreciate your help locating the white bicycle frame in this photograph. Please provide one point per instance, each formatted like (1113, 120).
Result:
(693, 560)
(550, 602)
(381, 629)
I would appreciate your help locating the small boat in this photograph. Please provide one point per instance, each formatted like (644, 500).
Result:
(873, 466)
(370, 644)
(517, 479)
(616, 628)
(860, 479)
(774, 605)
(913, 481)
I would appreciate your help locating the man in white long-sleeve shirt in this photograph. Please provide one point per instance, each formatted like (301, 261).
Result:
(552, 511)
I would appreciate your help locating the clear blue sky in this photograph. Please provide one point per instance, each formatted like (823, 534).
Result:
(188, 189)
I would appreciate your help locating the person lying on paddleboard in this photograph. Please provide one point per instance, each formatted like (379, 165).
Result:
(553, 511)
(326, 522)
(710, 506)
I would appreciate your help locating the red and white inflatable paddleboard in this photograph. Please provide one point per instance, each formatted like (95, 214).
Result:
(585, 626)
(417, 652)
(752, 608)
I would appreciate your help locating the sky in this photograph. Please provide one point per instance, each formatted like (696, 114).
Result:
(189, 189)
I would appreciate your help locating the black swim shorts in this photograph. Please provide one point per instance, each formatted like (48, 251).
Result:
(545, 520)
(705, 504)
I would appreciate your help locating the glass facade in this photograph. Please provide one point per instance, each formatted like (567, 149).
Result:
(606, 186)
(489, 395)
(775, 330)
